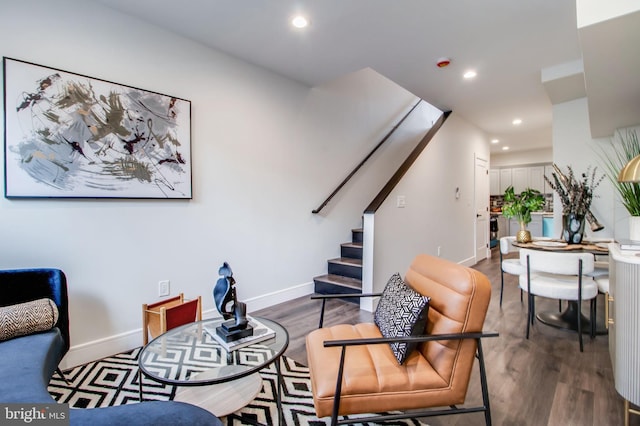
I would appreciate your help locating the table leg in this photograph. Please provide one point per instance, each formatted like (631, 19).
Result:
(139, 385)
(568, 320)
(279, 392)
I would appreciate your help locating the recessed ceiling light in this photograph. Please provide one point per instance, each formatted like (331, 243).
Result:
(505, 148)
(300, 21)
(495, 140)
(469, 74)
(517, 121)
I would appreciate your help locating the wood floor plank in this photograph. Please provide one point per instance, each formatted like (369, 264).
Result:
(544, 380)
(571, 406)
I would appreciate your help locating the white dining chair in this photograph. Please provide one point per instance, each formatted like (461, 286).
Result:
(559, 275)
(510, 266)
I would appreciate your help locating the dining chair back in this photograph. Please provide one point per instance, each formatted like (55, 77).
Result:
(559, 275)
(510, 266)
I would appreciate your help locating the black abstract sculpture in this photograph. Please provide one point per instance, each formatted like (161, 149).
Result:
(224, 296)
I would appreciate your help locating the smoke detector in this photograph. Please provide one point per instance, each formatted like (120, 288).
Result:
(443, 62)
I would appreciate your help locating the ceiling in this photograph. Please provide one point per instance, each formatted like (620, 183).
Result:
(508, 43)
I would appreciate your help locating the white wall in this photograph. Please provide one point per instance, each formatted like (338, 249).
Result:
(573, 145)
(432, 216)
(265, 150)
(521, 158)
(591, 12)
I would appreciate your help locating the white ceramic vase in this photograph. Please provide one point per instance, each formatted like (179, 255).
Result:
(634, 228)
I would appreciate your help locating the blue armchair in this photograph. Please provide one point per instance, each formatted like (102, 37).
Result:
(24, 285)
(28, 362)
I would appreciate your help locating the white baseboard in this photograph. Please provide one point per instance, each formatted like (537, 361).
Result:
(97, 349)
(101, 348)
(469, 262)
(270, 299)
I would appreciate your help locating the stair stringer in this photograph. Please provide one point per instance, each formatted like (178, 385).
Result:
(367, 303)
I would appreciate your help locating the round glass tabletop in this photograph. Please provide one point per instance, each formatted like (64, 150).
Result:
(189, 356)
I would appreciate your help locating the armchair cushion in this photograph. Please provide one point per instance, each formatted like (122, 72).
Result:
(27, 318)
(401, 312)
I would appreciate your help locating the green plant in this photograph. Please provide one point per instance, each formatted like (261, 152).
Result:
(521, 205)
(622, 152)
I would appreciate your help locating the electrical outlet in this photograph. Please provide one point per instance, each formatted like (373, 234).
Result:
(401, 201)
(439, 251)
(163, 288)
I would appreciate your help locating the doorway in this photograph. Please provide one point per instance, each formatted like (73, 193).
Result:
(482, 208)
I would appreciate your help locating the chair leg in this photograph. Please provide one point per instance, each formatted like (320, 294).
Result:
(501, 285)
(580, 304)
(529, 295)
(559, 305)
(580, 326)
(593, 318)
(528, 313)
(338, 392)
(533, 309)
(483, 384)
(61, 374)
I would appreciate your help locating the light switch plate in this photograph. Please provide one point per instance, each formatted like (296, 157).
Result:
(163, 288)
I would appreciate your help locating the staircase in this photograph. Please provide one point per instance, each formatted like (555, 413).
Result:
(344, 273)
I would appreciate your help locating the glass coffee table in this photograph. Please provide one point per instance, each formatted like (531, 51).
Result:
(208, 375)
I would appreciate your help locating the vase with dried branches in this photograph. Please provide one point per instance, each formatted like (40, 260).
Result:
(576, 196)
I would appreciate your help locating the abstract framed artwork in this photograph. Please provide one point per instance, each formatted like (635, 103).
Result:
(73, 136)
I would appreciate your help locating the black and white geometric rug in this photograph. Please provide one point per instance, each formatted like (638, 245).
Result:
(114, 381)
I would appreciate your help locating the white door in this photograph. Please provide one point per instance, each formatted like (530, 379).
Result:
(482, 208)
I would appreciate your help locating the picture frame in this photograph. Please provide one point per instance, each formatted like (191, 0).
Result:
(69, 135)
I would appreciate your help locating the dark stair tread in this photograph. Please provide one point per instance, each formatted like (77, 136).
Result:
(350, 261)
(354, 245)
(340, 280)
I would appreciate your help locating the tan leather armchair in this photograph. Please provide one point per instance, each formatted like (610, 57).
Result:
(354, 371)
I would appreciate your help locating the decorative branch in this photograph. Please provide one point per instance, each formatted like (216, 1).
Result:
(576, 195)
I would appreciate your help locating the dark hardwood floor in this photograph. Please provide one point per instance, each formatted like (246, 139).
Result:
(541, 381)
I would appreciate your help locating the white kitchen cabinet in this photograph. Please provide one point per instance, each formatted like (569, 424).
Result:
(503, 226)
(514, 226)
(524, 177)
(624, 330)
(536, 178)
(494, 182)
(505, 179)
(534, 227)
(548, 172)
(520, 179)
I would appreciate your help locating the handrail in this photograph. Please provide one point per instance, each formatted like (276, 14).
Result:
(355, 170)
(386, 190)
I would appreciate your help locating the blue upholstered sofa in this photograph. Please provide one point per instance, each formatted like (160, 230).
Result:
(27, 363)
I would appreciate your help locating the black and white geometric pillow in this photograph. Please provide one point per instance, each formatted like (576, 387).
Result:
(401, 312)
